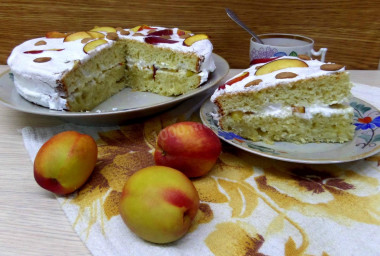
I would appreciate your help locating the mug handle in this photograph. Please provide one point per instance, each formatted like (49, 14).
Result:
(321, 52)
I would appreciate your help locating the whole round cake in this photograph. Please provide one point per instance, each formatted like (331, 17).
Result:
(77, 71)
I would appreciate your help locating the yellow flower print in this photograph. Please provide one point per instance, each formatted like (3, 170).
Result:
(323, 191)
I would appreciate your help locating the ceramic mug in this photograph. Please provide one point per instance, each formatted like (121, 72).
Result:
(278, 45)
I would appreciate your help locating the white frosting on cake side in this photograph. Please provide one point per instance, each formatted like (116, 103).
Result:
(269, 80)
(281, 112)
(39, 92)
(38, 81)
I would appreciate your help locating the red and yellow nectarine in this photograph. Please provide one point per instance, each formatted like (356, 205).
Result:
(158, 204)
(65, 162)
(190, 147)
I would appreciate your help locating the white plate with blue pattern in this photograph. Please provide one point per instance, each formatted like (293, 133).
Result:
(366, 141)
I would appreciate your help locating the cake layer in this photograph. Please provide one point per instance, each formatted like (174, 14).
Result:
(93, 92)
(335, 127)
(94, 81)
(147, 55)
(157, 81)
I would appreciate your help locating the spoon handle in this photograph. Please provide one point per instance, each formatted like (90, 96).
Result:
(235, 18)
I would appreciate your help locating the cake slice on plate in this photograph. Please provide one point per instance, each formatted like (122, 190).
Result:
(288, 99)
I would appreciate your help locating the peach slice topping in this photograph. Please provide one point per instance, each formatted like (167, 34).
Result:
(280, 64)
(55, 34)
(103, 29)
(77, 36)
(93, 44)
(234, 80)
(139, 28)
(135, 29)
(238, 78)
(96, 34)
(195, 38)
(181, 32)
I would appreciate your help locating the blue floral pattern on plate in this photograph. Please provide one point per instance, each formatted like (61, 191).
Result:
(230, 136)
(367, 122)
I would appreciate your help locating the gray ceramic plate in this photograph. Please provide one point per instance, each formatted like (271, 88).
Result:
(365, 143)
(123, 106)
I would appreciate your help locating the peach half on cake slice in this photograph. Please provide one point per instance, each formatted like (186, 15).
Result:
(280, 64)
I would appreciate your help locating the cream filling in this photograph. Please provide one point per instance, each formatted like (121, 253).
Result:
(141, 64)
(278, 111)
(201, 48)
(310, 111)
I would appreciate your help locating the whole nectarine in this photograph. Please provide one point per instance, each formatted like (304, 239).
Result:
(158, 204)
(65, 162)
(190, 147)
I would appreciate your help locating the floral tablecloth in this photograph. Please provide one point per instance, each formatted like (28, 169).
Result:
(250, 205)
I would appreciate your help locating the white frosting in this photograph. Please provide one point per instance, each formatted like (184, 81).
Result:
(37, 82)
(278, 111)
(269, 80)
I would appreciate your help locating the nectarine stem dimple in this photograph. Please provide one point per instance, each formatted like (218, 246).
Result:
(186, 216)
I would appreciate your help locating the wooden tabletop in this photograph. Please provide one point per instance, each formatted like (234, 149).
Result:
(31, 220)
